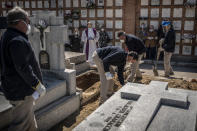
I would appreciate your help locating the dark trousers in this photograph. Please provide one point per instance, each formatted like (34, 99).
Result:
(151, 53)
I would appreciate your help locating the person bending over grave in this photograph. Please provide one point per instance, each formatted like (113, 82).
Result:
(90, 39)
(103, 39)
(106, 57)
(168, 46)
(75, 41)
(20, 72)
(135, 45)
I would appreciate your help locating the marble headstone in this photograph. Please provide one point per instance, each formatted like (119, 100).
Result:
(39, 4)
(53, 3)
(76, 23)
(46, 4)
(33, 4)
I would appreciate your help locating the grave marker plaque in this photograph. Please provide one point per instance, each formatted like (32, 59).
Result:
(177, 12)
(166, 2)
(100, 13)
(44, 60)
(154, 23)
(75, 3)
(118, 24)
(155, 2)
(109, 24)
(177, 25)
(46, 4)
(33, 4)
(155, 12)
(189, 25)
(92, 13)
(39, 4)
(118, 2)
(165, 12)
(83, 3)
(176, 49)
(187, 50)
(178, 2)
(109, 2)
(144, 2)
(109, 13)
(118, 13)
(190, 12)
(144, 12)
(195, 51)
(83, 13)
(68, 3)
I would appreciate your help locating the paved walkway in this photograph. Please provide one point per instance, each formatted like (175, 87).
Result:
(180, 72)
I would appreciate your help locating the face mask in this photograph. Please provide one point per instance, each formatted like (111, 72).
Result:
(122, 41)
(102, 29)
(28, 28)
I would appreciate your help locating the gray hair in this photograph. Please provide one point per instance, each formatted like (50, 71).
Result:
(15, 15)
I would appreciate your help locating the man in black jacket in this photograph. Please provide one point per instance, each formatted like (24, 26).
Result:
(135, 45)
(106, 57)
(20, 73)
(168, 46)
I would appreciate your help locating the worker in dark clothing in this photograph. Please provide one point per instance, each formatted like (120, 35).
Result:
(168, 46)
(103, 39)
(135, 45)
(106, 57)
(75, 41)
(20, 73)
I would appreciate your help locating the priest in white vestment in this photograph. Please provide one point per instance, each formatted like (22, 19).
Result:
(90, 39)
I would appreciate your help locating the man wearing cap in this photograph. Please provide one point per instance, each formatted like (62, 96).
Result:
(168, 46)
(106, 57)
(136, 46)
(90, 39)
(20, 73)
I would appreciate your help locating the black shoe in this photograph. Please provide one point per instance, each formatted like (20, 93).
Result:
(171, 73)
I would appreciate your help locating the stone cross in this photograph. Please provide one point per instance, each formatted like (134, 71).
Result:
(149, 100)
(42, 27)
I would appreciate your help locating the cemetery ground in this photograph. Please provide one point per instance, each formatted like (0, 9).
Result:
(185, 78)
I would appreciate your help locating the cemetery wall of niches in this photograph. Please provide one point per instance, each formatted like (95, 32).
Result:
(182, 13)
(107, 13)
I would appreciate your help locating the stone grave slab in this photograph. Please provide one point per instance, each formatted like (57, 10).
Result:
(139, 107)
(76, 61)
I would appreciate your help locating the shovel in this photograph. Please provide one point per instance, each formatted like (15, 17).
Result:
(160, 49)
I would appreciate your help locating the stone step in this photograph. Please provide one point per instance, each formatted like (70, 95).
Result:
(53, 87)
(57, 111)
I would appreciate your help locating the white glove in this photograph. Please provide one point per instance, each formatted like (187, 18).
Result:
(41, 89)
(108, 75)
(35, 95)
